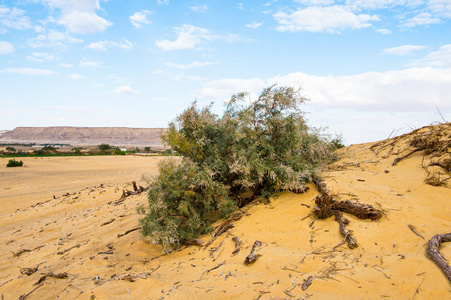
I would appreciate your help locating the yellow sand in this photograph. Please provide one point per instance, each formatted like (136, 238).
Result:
(390, 262)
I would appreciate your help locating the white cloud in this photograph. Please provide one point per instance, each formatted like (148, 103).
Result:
(125, 89)
(80, 16)
(315, 2)
(103, 45)
(53, 38)
(28, 71)
(194, 64)
(91, 63)
(14, 18)
(40, 57)
(66, 65)
(413, 89)
(189, 36)
(384, 31)
(423, 18)
(199, 8)
(6, 48)
(161, 2)
(75, 76)
(403, 50)
(319, 19)
(440, 58)
(140, 18)
(254, 25)
(240, 6)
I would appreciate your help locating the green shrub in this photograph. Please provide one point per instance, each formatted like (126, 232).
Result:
(104, 147)
(252, 150)
(11, 149)
(14, 163)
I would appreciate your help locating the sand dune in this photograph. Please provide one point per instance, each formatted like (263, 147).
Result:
(79, 232)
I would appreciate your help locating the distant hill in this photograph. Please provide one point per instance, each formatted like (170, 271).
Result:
(117, 136)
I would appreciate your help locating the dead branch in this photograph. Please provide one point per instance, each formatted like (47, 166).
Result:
(224, 226)
(195, 242)
(252, 257)
(68, 249)
(350, 239)
(128, 231)
(398, 159)
(434, 252)
(307, 283)
(108, 222)
(24, 296)
(238, 244)
(415, 231)
(360, 210)
(21, 251)
(28, 271)
(136, 191)
(209, 270)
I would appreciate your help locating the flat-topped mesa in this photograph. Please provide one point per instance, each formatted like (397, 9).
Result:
(84, 135)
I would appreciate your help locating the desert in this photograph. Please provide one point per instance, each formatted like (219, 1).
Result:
(65, 235)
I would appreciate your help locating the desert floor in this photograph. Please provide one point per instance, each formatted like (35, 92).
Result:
(60, 215)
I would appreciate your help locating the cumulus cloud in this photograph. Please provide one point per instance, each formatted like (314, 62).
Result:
(40, 57)
(318, 19)
(194, 64)
(75, 76)
(254, 25)
(104, 45)
(189, 36)
(403, 50)
(413, 89)
(14, 18)
(125, 89)
(6, 48)
(384, 31)
(91, 63)
(423, 18)
(139, 18)
(52, 39)
(199, 8)
(161, 2)
(80, 16)
(439, 59)
(28, 71)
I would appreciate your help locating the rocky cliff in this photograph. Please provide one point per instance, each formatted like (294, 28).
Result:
(84, 135)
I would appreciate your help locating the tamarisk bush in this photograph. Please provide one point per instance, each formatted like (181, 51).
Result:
(252, 150)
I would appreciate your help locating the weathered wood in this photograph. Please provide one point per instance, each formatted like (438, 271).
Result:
(252, 257)
(238, 243)
(434, 252)
(360, 210)
(350, 239)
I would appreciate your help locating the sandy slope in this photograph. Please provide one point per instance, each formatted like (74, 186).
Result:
(390, 262)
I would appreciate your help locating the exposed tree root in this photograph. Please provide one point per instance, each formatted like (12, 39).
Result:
(252, 257)
(434, 252)
(327, 206)
(136, 191)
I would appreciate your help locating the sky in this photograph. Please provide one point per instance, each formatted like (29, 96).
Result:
(371, 68)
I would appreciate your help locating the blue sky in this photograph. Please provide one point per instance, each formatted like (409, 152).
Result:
(368, 66)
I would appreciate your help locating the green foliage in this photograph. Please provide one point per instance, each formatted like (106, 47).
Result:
(184, 201)
(118, 151)
(14, 163)
(252, 150)
(77, 150)
(12, 149)
(104, 147)
(147, 149)
(337, 143)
